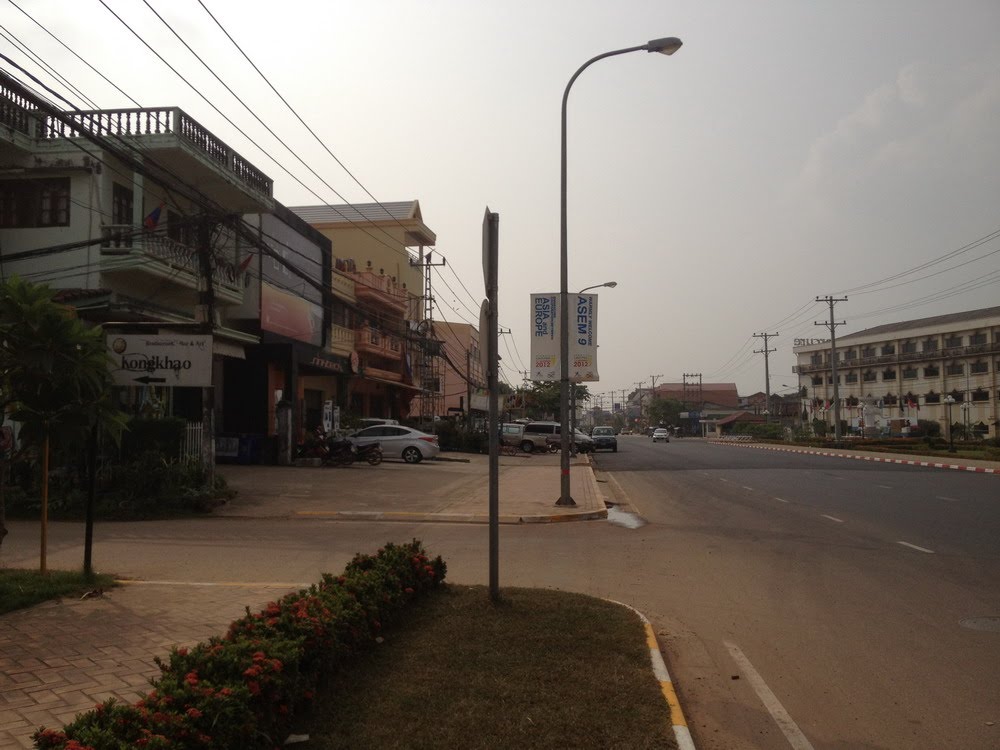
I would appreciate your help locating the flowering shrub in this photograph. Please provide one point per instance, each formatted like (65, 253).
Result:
(242, 689)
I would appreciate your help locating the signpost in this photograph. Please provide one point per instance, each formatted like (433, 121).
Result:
(161, 360)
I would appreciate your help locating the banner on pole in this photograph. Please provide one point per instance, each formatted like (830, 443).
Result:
(582, 337)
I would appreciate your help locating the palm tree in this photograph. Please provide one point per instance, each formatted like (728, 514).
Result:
(54, 376)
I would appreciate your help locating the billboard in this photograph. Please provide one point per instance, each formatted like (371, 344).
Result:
(582, 337)
(162, 360)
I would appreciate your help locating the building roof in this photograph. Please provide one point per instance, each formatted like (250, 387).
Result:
(362, 215)
(740, 416)
(936, 320)
(722, 394)
(359, 213)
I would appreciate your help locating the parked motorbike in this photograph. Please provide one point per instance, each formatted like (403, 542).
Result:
(331, 450)
(372, 453)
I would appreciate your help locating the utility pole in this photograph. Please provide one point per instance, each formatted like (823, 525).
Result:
(831, 301)
(205, 315)
(639, 386)
(652, 387)
(767, 372)
(427, 363)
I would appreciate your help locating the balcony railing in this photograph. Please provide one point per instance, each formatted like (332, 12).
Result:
(16, 111)
(121, 240)
(341, 338)
(953, 353)
(372, 341)
(378, 289)
(375, 372)
(123, 123)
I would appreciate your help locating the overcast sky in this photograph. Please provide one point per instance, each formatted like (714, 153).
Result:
(789, 150)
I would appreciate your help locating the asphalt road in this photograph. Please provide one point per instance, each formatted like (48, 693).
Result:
(792, 614)
(818, 602)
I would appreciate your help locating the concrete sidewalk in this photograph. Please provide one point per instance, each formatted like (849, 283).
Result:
(63, 657)
(455, 489)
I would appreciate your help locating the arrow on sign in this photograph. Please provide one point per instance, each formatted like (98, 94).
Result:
(147, 380)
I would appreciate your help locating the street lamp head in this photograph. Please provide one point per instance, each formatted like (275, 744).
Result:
(666, 46)
(611, 284)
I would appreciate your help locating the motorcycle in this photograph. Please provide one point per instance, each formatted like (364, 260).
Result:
(331, 450)
(372, 453)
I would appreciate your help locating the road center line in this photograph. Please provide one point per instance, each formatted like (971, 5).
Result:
(884, 486)
(949, 499)
(920, 549)
(723, 480)
(748, 488)
(781, 500)
(832, 518)
(785, 722)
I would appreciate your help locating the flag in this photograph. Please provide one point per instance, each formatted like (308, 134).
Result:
(246, 263)
(153, 218)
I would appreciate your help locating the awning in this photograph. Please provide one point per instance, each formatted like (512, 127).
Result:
(395, 383)
(226, 348)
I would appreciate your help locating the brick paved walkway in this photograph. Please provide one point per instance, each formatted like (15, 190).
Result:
(63, 657)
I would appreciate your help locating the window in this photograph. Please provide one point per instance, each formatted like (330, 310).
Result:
(34, 203)
(909, 373)
(816, 359)
(888, 349)
(932, 398)
(931, 345)
(932, 371)
(818, 380)
(121, 204)
(851, 377)
(978, 368)
(910, 347)
(980, 395)
(181, 229)
(851, 355)
(952, 342)
(976, 339)
(870, 377)
(888, 375)
(868, 351)
(955, 369)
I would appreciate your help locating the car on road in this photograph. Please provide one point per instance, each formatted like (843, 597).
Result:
(411, 445)
(604, 438)
(512, 433)
(661, 433)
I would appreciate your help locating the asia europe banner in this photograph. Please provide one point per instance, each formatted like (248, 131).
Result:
(582, 338)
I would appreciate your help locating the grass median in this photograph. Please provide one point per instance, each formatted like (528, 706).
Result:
(24, 588)
(542, 669)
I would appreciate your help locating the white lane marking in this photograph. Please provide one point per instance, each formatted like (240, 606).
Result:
(949, 499)
(781, 500)
(884, 486)
(839, 479)
(748, 488)
(832, 518)
(723, 480)
(785, 722)
(920, 549)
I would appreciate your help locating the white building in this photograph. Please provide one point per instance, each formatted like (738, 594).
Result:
(909, 371)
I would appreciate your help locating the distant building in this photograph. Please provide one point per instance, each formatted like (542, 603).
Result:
(908, 370)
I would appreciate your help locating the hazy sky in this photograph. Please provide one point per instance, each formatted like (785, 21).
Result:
(789, 150)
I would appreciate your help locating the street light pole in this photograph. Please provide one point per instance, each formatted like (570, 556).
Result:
(666, 46)
(949, 400)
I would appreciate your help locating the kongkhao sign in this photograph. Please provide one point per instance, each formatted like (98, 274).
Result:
(163, 360)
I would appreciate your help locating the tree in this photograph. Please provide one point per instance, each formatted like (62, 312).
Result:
(55, 378)
(541, 398)
(664, 411)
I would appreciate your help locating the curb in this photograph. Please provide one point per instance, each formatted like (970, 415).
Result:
(876, 459)
(681, 732)
(366, 515)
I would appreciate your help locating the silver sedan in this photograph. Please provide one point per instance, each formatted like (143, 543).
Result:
(411, 445)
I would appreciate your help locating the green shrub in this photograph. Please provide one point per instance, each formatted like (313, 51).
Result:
(242, 690)
(145, 435)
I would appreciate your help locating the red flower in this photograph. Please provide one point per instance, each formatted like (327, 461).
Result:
(191, 678)
(253, 687)
(194, 713)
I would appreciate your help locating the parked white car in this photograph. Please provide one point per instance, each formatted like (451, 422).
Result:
(411, 445)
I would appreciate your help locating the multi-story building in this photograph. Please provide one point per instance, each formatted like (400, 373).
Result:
(134, 215)
(379, 303)
(463, 382)
(943, 368)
